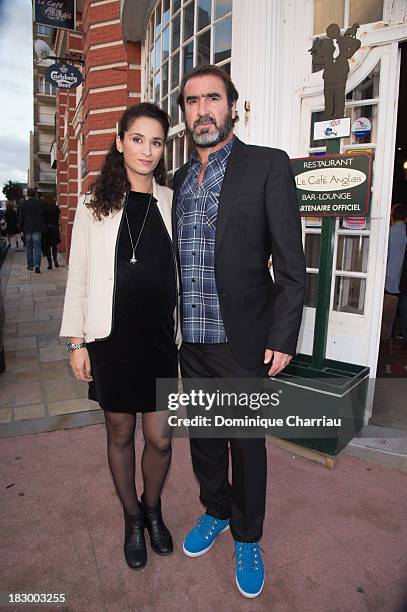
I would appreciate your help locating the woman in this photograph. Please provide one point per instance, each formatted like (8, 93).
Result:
(122, 300)
(51, 236)
(12, 229)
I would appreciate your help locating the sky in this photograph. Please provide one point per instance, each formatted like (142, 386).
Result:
(16, 87)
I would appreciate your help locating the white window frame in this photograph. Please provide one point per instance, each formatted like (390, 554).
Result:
(179, 128)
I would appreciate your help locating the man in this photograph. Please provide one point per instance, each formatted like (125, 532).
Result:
(32, 224)
(402, 305)
(234, 205)
(395, 257)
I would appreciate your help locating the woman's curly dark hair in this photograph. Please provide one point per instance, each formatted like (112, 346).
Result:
(112, 182)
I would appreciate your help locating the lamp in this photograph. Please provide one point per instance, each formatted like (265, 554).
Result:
(43, 52)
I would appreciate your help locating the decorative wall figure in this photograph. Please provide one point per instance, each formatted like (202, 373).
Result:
(331, 54)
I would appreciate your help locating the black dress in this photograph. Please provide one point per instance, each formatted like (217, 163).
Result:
(141, 346)
(51, 236)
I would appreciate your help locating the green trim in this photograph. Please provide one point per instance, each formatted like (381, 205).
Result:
(324, 279)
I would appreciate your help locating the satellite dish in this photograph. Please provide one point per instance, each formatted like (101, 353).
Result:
(42, 50)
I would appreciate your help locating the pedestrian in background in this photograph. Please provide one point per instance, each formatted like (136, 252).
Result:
(51, 237)
(32, 224)
(13, 230)
(395, 258)
(402, 306)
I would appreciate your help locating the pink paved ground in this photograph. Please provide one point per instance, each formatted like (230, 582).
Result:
(326, 534)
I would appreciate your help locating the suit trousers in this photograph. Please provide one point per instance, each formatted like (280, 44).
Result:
(243, 501)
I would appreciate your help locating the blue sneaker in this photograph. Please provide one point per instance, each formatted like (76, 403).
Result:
(202, 537)
(249, 569)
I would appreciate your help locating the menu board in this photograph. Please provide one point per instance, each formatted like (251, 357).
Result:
(55, 13)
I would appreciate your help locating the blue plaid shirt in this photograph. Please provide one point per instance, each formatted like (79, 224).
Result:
(197, 211)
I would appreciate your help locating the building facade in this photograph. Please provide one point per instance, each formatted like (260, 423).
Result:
(140, 51)
(41, 175)
(87, 116)
(65, 148)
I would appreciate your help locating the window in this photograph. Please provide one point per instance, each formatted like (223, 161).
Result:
(352, 252)
(363, 101)
(312, 250)
(46, 88)
(204, 13)
(180, 36)
(345, 13)
(42, 29)
(349, 295)
(361, 11)
(352, 234)
(326, 12)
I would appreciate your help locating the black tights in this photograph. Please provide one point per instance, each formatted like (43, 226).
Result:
(52, 248)
(155, 460)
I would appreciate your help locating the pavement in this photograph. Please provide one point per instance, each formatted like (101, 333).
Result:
(38, 383)
(334, 540)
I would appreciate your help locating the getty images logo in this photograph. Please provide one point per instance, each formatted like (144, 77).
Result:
(219, 399)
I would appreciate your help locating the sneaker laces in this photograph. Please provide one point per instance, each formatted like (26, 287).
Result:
(248, 556)
(206, 525)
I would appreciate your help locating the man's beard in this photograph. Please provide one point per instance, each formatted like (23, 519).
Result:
(206, 139)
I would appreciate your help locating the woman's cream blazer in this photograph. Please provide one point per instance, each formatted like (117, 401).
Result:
(88, 307)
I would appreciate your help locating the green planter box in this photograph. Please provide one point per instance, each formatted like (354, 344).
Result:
(338, 390)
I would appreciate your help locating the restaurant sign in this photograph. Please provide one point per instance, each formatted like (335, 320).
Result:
(333, 185)
(55, 13)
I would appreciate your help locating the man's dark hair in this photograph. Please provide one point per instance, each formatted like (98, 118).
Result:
(31, 192)
(209, 69)
(399, 212)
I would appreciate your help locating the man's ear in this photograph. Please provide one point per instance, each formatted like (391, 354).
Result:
(119, 144)
(233, 109)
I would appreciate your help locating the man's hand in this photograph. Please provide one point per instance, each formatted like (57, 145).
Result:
(280, 361)
(80, 364)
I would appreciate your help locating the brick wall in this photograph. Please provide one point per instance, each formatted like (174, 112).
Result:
(67, 149)
(112, 83)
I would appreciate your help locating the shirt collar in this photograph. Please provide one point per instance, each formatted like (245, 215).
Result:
(221, 154)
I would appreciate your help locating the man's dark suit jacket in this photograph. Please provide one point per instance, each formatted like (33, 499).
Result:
(32, 216)
(258, 215)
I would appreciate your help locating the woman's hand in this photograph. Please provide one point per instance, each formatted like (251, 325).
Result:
(80, 364)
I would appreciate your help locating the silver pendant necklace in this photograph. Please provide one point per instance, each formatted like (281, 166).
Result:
(133, 259)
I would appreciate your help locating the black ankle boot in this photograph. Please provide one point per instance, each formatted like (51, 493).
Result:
(160, 537)
(135, 550)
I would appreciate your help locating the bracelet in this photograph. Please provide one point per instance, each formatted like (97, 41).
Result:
(73, 347)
